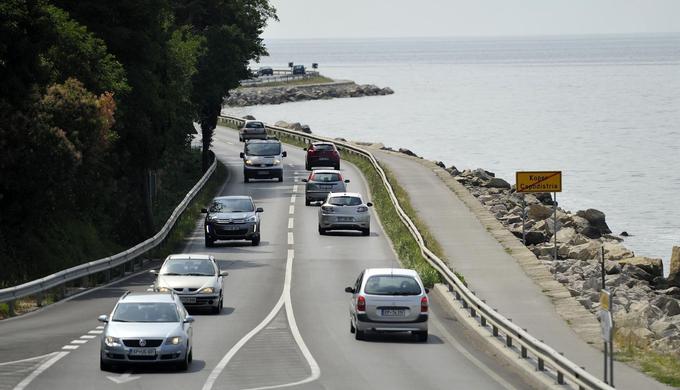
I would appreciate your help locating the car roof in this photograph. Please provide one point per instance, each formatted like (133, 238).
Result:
(323, 143)
(232, 197)
(148, 297)
(325, 171)
(390, 271)
(188, 256)
(336, 194)
(263, 141)
(252, 120)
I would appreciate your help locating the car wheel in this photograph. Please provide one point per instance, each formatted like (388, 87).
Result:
(308, 167)
(191, 355)
(217, 309)
(246, 179)
(352, 329)
(104, 366)
(359, 334)
(280, 178)
(184, 365)
(308, 202)
(322, 231)
(337, 167)
(209, 242)
(256, 241)
(421, 336)
(366, 232)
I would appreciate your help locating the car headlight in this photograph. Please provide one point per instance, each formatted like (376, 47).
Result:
(112, 341)
(162, 289)
(175, 340)
(249, 162)
(206, 290)
(277, 162)
(252, 218)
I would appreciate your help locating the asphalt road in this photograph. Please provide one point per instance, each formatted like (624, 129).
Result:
(284, 323)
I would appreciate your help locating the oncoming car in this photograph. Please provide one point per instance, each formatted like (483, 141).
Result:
(147, 328)
(197, 280)
(232, 218)
(252, 129)
(322, 182)
(388, 300)
(345, 211)
(263, 159)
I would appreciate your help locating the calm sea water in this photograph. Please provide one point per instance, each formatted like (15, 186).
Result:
(603, 109)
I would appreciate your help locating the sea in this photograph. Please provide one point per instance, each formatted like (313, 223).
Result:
(603, 109)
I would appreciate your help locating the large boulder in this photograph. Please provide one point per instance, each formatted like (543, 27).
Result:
(587, 251)
(653, 267)
(538, 212)
(674, 276)
(616, 251)
(566, 235)
(596, 218)
(497, 182)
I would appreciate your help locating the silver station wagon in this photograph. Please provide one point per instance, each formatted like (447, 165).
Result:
(388, 300)
(321, 182)
(345, 211)
(147, 328)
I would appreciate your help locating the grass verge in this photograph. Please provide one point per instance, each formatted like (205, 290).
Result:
(311, 80)
(663, 367)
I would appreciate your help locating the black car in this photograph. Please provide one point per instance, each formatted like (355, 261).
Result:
(299, 69)
(265, 71)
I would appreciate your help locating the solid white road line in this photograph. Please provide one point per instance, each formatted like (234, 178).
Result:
(28, 359)
(22, 385)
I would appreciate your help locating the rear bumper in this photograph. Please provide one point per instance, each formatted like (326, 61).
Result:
(363, 323)
(317, 195)
(320, 162)
(331, 222)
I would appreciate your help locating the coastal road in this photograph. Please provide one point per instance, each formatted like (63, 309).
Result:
(285, 320)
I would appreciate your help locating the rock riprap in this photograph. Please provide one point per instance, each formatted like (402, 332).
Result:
(277, 95)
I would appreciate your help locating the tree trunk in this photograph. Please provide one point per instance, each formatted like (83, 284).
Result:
(207, 133)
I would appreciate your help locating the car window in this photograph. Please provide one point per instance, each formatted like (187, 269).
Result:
(145, 312)
(254, 125)
(344, 201)
(357, 284)
(232, 205)
(191, 267)
(263, 149)
(324, 147)
(326, 177)
(392, 285)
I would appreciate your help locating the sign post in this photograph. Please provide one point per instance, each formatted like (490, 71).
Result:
(607, 324)
(539, 181)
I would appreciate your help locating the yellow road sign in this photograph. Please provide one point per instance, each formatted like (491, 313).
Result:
(605, 300)
(539, 181)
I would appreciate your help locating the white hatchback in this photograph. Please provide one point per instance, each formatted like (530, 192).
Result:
(345, 211)
(388, 300)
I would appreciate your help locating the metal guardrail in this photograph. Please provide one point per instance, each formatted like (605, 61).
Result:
(544, 355)
(41, 285)
(279, 77)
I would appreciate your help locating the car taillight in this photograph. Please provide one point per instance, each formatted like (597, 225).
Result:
(362, 209)
(361, 303)
(328, 209)
(423, 304)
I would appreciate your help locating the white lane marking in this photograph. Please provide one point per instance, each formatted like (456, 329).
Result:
(292, 198)
(70, 347)
(96, 332)
(295, 188)
(88, 336)
(28, 359)
(291, 240)
(463, 351)
(291, 209)
(123, 378)
(79, 341)
(291, 223)
(22, 385)
(102, 326)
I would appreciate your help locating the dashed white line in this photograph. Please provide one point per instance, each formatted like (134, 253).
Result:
(88, 336)
(79, 341)
(70, 347)
(291, 209)
(295, 188)
(96, 332)
(291, 240)
(102, 326)
(292, 198)
(291, 223)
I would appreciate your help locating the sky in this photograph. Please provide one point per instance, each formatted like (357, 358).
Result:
(439, 18)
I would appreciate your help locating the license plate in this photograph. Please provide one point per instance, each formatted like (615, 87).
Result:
(393, 312)
(325, 187)
(262, 172)
(323, 158)
(345, 219)
(142, 351)
(188, 299)
(229, 227)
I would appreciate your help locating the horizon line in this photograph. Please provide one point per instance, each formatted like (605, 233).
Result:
(549, 35)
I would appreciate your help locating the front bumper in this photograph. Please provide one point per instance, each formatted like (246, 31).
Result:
(270, 172)
(363, 323)
(163, 354)
(339, 222)
(240, 231)
(191, 301)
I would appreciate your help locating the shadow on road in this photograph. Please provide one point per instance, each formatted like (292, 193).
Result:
(405, 338)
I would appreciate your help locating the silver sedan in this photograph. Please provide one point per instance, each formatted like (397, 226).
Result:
(147, 328)
(345, 211)
(321, 182)
(197, 280)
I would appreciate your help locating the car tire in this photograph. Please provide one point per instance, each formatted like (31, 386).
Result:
(421, 336)
(280, 178)
(246, 179)
(217, 309)
(255, 241)
(308, 167)
(209, 242)
(337, 167)
(308, 202)
(359, 334)
(352, 329)
(184, 365)
(191, 355)
(322, 231)
(104, 366)
(366, 232)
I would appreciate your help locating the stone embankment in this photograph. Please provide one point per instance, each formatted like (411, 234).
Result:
(646, 305)
(277, 95)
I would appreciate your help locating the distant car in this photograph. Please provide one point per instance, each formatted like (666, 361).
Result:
(299, 69)
(388, 300)
(322, 154)
(197, 280)
(345, 211)
(232, 218)
(147, 328)
(252, 130)
(322, 182)
(263, 159)
(265, 71)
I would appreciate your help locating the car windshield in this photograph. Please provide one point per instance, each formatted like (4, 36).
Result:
(145, 312)
(254, 125)
(232, 206)
(323, 147)
(326, 177)
(392, 285)
(191, 267)
(263, 149)
(344, 201)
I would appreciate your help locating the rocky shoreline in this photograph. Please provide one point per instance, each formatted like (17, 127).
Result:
(277, 95)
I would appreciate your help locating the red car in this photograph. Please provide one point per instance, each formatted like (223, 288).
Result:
(322, 154)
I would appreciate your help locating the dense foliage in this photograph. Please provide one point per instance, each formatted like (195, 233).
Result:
(96, 98)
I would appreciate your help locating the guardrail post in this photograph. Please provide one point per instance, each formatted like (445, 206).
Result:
(494, 330)
(483, 320)
(11, 308)
(541, 364)
(473, 312)
(39, 299)
(560, 378)
(458, 295)
(524, 352)
(508, 341)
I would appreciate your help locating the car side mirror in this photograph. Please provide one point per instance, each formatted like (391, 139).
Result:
(369, 204)
(153, 272)
(103, 318)
(427, 290)
(188, 319)
(284, 154)
(204, 211)
(242, 155)
(259, 210)
(349, 290)
(346, 180)
(224, 273)
(304, 180)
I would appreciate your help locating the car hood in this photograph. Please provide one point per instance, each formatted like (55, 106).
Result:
(150, 330)
(240, 215)
(186, 281)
